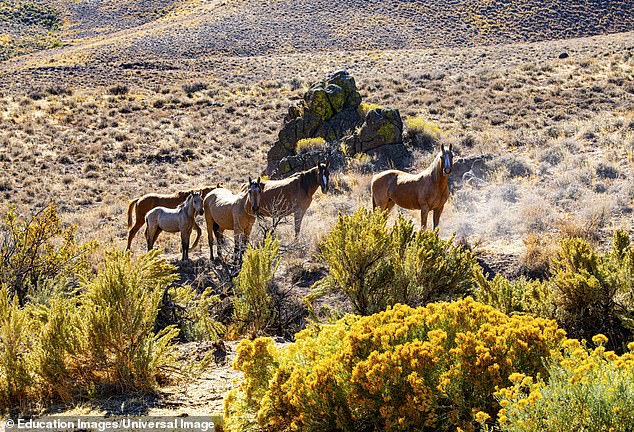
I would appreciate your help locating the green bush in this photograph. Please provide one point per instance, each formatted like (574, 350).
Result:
(253, 304)
(430, 269)
(309, 144)
(118, 314)
(375, 265)
(101, 339)
(357, 252)
(589, 292)
(425, 134)
(40, 250)
(194, 314)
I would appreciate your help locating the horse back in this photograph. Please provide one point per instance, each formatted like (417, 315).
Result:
(220, 204)
(281, 196)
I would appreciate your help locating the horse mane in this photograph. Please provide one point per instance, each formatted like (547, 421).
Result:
(181, 205)
(307, 179)
(434, 168)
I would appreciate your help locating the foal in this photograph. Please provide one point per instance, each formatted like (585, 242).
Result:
(225, 210)
(141, 206)
(182, 218)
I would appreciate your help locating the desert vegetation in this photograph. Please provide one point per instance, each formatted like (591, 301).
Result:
(521, 299)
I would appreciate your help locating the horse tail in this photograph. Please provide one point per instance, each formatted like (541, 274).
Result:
(373, 203)
(198, 231)
(130, 208)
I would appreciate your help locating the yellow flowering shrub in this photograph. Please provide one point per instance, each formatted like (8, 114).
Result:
(429, 368)
(589, 390)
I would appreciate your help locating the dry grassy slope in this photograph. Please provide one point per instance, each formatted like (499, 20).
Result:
(185, 29)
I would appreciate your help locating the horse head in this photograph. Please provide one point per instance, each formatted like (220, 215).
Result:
(195, 200)
(446, 159)
(254, 190)
(323, 176)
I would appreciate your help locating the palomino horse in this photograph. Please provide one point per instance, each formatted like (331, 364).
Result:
(182, 218)
(426, 191)
(294, 194)
(225, 210)
(147, 202)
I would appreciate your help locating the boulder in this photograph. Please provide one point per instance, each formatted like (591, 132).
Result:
(327, 110)
(382, 126)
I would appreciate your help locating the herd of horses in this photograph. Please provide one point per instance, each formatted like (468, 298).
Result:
(227, 211)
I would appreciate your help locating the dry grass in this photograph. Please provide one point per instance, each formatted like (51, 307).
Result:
(561, 131)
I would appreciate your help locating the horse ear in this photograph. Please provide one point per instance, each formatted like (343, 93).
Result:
(442, 147)
(450, 147)
(250, 181)
(259, 180)
(328, 164)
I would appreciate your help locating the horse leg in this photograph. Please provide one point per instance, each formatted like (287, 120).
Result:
(238, 238)
(133, 231)
(299, 216)
(185, 235)
(424, 211)
(209, 221)
(219, 240)
(156, 234)
(437, 213)
(148, 238)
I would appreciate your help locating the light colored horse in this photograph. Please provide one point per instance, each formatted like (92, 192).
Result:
(425, 191)
(225, 210)
(294, 194)
(141, 206)
(182, 218)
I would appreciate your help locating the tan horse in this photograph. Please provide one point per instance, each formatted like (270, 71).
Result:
(181, 219)
(294, 194)
(424, 191)
(225, 210)
(144, 204)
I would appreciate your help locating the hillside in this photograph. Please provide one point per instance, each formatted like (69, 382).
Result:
(172, 30)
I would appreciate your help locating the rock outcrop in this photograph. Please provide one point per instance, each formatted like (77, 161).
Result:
(330, 109)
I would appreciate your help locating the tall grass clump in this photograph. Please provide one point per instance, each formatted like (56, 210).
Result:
(119, 310)
(596, 385)
(311, 144)
(253, 302)
(404, 369)
(375, 265)
(195, 314)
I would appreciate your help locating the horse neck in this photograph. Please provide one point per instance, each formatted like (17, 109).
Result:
(309, 182)
(435, 171)
(188, 208)
(246, 202)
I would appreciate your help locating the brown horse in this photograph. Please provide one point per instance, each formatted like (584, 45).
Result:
(181, 219)
(426, 191)
(294, 194)
(144, 204)
(225, 210)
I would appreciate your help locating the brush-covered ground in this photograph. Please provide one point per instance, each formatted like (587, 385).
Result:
(131, 97)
